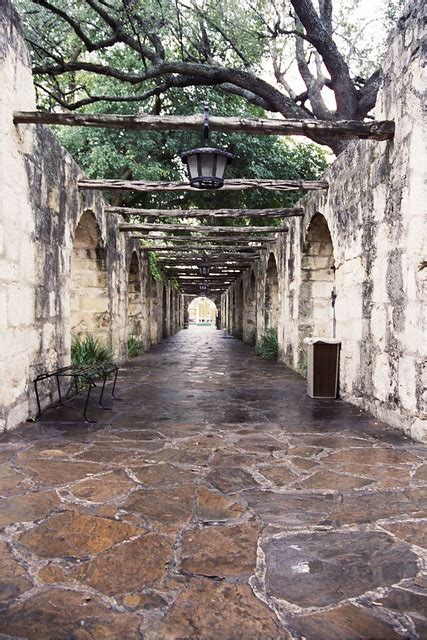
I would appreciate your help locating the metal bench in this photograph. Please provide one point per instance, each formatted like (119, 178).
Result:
(81, 378)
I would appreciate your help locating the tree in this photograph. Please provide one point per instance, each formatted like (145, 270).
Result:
(148, 48)
(145, 155)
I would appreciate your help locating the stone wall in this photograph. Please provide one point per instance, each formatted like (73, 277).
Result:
(64, 266)
(365, 237)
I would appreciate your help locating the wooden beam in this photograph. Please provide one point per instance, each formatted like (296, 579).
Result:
(152, 226)
(220, 257)
(342, 129)
(203, 250)
(186, 238)
(208, 213)
(215, 271)
(213, 262)
(238, 184)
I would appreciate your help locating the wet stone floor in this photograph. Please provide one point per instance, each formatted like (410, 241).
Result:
(216, 500)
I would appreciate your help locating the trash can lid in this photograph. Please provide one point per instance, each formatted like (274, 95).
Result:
(316, 340)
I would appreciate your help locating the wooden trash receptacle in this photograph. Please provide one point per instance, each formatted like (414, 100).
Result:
(323, 356)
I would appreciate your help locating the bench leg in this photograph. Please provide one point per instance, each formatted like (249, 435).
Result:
(86, 405)
(58, 386)
(102, 394)
(114, 385)
(39, 409)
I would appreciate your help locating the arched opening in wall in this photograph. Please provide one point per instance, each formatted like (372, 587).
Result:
(238, 312)
(89, 299)
(250, 311)
(134, 308)
(271, 297)
(317, 282)
(202, 312)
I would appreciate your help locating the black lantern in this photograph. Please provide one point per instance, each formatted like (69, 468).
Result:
(206, 165)
(204, 269)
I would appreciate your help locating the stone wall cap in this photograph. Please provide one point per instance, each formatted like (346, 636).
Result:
(324, 340)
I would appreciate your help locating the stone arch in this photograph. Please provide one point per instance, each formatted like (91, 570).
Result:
(271, 296)
(89, 297)
(134, 307)
(202, 310)
(317, 280)
(250, 310)
(238, 310)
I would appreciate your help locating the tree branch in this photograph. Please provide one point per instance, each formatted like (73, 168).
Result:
(344, 89)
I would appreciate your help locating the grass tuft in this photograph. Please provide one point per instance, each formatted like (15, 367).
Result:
(134, 346)
(268, 346)
(89, 350)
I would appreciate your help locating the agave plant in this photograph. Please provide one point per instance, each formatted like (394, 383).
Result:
(89, 350)
(268, 346)
(134, 346)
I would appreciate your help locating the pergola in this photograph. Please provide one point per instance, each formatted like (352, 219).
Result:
(228, 250)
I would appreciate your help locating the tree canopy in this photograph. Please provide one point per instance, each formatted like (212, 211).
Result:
(115, 153)
(297, 58)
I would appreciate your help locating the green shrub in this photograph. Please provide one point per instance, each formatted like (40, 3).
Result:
(89, 350)
(134, 346)
(268, 347)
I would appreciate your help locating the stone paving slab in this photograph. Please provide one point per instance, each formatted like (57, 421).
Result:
(215, 501)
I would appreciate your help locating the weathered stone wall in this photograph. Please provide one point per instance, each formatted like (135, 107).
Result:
(56, 277)
(375, 214)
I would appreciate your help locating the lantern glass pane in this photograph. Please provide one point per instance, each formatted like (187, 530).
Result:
(221, 162)
(207, 164)
(192, 166)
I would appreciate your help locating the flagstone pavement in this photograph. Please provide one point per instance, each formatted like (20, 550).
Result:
(216, 500)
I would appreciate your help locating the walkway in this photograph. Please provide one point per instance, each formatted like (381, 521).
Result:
(215, 501)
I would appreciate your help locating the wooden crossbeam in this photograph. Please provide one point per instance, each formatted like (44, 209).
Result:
(342, 129)
(217, 251)
(208, 213)
(151, 226)
(213, 272)
(213, 262)
(186, 238)
(237, 184)
(211, 257)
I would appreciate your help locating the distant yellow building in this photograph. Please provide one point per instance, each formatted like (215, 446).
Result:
(202, 311)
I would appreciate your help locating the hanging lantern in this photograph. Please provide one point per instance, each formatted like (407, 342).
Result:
(204, 269)
(206, 165)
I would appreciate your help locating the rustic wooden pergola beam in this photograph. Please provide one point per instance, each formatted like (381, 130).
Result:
(214, 263)
(227, 240)
(208, 213)
(152, 226)
(342, 129)
(237, 184)
(196, 292)
(212, 257)
(202, 251)
(215, 271)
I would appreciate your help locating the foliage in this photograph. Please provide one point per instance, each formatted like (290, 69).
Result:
(268, 346)
(145, 155)
(134, 346)
(89, 350)
(283, 56)
(155, 270)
